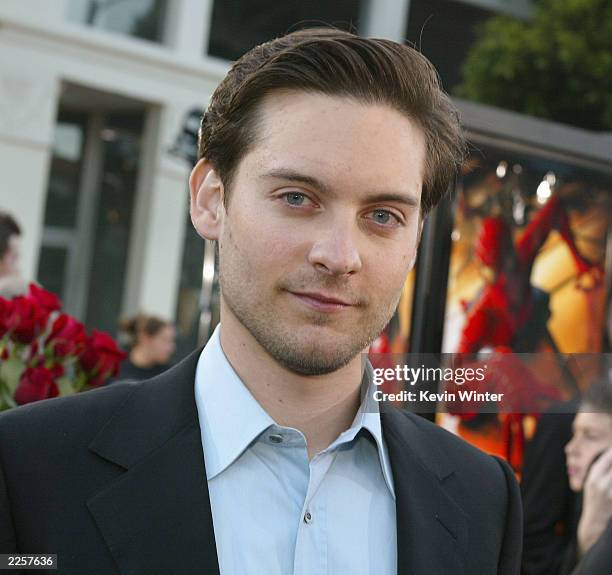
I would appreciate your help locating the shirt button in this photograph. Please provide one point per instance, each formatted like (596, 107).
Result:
(308, 517)
(275, 438)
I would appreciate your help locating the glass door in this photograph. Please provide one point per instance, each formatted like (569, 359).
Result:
(88, 216)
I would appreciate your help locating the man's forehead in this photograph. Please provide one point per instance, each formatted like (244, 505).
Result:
(284, 108)
(324, 140)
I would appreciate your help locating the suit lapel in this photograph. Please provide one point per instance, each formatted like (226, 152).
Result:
(156, 517)
(431, 527)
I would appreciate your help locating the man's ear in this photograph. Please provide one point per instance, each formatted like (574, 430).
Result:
(206, 205)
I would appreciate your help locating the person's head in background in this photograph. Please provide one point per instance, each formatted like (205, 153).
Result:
(10, 238)
(150, 339)
(592, 429)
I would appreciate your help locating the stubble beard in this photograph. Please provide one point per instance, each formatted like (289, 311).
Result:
(284, 345)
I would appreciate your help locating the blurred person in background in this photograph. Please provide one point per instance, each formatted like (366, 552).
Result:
(11, 282)
(551, 506)
(589, 467)
(598, 561)
(549, 503)
(151, 341)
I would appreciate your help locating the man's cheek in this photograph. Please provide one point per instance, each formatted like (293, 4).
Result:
(395, 276)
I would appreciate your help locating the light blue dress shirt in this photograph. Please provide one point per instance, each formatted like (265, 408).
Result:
(274, 511)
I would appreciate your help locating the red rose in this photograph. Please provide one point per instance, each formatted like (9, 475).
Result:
(37, 360)
(44, 299)
(97, 381)
(25, 319)
(101, 358)
(34, 348)
(5, 306)
(58, 370)
(67, 336)
(5, 310)
(35, 384)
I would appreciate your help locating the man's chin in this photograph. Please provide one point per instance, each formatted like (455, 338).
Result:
(313, 356)
(312, 366)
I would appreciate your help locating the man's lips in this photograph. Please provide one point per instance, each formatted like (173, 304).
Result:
(321, 301)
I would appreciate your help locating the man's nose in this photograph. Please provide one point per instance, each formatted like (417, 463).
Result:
(335, 249)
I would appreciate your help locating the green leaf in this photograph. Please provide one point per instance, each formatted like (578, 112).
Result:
(66, 386)
(6, 400)
(10, 372)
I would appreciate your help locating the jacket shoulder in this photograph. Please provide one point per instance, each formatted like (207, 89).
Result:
(64, 415)
(449, 449)
(482, 485)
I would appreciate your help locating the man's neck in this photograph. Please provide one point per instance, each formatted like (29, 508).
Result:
(321, 407)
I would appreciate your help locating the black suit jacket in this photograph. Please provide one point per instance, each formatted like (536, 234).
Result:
(113, 481)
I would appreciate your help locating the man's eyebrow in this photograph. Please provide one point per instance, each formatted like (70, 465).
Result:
(294, 176)
(410, 201)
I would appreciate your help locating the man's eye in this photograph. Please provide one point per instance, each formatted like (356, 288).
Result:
(384, 217)
(295, 198)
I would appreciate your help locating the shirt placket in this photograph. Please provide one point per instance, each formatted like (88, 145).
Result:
(312, 535)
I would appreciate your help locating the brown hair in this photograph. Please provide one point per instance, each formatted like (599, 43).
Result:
(132, 328)
(335, 63)
(8, 227)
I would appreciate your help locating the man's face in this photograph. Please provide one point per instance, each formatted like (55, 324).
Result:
(592, 436)
(321, 228)
(9, 264)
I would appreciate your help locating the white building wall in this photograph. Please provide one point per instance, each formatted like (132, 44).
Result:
(39, 50)
(28, 96)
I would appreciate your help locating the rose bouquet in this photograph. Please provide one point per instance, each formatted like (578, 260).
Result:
(45, 353)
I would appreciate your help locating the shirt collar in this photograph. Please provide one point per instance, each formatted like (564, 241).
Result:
(224, 400)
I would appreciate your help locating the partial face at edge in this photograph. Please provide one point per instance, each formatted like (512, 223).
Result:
(322, 227)
(9, 264)
(592, 436)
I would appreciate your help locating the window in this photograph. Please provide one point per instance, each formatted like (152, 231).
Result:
(90, 199)
(238, 25)
(444, 30)
(139, 18)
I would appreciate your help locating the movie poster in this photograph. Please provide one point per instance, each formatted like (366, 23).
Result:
(527, 276)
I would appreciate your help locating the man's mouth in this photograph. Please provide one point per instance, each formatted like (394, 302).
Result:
(322, 301)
